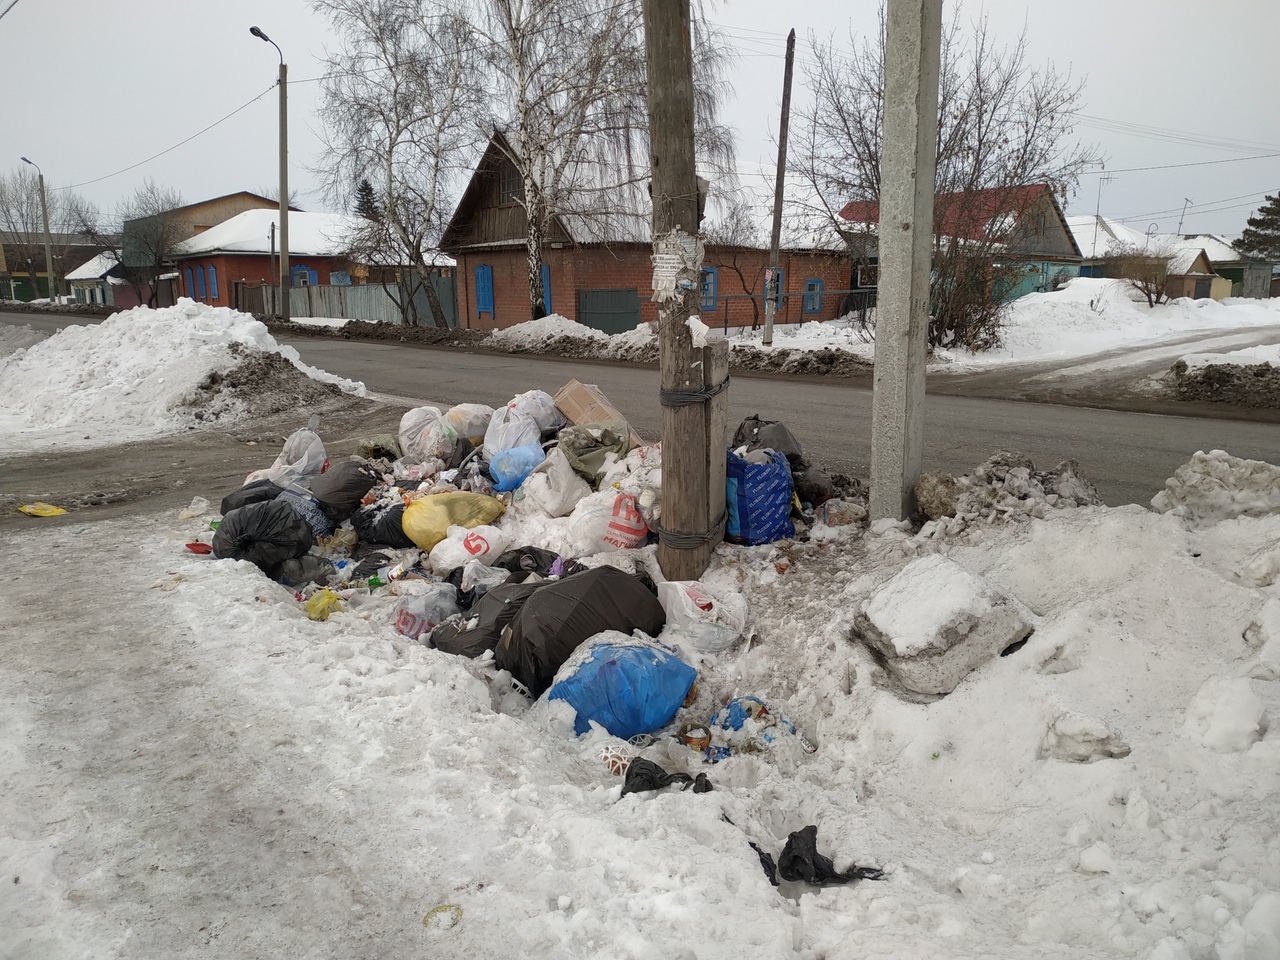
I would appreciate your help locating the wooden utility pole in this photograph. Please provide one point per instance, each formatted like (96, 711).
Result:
(694, 378)
(771, 285)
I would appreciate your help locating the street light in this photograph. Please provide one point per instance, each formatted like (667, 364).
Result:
(282, 307)
(48, 239)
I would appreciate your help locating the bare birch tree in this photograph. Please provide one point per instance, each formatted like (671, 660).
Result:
(150, 227)
(400, 105)
(569, 79)
(22, 226)
(733, 242)
(1003, 123)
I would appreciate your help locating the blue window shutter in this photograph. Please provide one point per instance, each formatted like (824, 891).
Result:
(710, 287)
(191, 284)
(813, 296)
(777, 300)
(484, 289)
(314, 276)
(213, 282)
(200, 280)
(546, 286)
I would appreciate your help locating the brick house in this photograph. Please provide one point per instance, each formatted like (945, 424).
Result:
(241, 250)
(597, 269)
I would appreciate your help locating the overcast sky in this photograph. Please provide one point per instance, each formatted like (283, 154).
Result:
(95, 87)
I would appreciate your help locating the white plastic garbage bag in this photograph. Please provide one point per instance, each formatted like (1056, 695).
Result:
(478, 577)
(418, 614)
(607, 521)
(709, 621)
(414, 428)
(508, 430)
(302, 458)
(555, 486)
(540, 407)
(470, 420)
(483, 543)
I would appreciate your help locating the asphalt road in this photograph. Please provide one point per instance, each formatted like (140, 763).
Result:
(1127, 455)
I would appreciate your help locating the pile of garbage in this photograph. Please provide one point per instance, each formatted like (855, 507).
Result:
(427, 526)
(1007, 486)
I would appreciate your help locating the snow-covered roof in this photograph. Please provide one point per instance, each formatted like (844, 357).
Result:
(1099, 237)
(1218, 249)
(1183, 260)
(310, 234)
(97, 267)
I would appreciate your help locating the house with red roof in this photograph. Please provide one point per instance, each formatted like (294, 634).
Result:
(1022, 224)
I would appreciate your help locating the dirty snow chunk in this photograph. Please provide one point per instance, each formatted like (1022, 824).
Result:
(935, 622)
(1217, 486)
(533, 334)
(698, 331)
(1079, 739)
(1226, 715)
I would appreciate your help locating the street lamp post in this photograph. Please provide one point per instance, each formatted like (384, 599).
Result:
(48, 238)
(282, 306)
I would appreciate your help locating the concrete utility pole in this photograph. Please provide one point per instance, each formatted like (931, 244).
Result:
(282, 307)
(771, 286)
(694, 378)
(907, 168)
(48, 237)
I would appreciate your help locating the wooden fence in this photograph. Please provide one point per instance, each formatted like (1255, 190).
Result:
(369, 301)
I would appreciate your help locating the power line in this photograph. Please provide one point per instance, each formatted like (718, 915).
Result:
(85, 183)
(8, 8)
(1174, 166)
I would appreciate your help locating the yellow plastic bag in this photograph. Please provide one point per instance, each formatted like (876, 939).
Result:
(427, 520)
(322, 603)
(41, 509)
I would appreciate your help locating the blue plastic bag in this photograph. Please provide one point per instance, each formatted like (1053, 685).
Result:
(510, 468)
(627, 689)
(758, 500)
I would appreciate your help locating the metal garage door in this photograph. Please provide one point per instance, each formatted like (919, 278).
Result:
(612, 311)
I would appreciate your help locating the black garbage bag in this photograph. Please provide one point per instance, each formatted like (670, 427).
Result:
(533, 559)
(461, 451)
(380, 523)
(341, 488)
(255, 492)
(758, 434)
(801, 860)
(305, 569)
(561, 615)
(266, 534)
(813, 484)
(494, 612)
(643, 775)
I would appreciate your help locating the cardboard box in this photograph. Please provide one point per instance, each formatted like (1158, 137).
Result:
(585, 403)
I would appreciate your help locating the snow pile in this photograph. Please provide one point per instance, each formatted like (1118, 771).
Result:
(144, 373)
(1268, 353)
(1005, 487)
(639, 345)
(1216, 486)
(538, 335)
(1089, 315)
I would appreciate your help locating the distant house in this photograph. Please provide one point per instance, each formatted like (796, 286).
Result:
(138, 243)
(243, 250)
(1249, 278)
(1190, 275)
(22, 254)
(1025, 223)
(1101, 239)
(92, 281)
(597, 267)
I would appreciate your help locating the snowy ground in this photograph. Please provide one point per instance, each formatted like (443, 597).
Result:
(192, 768)
(1248, 357)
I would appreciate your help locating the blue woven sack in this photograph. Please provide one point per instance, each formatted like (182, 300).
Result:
(321, 523)
(758, 500)
(628, 689)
